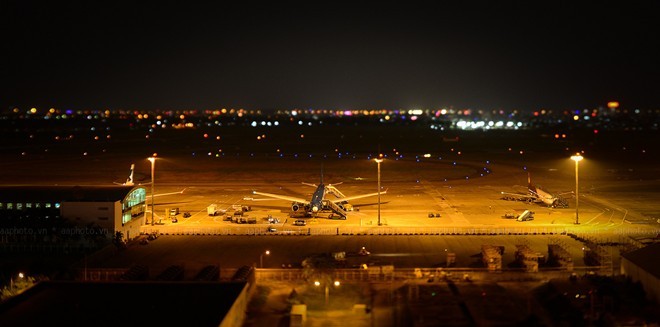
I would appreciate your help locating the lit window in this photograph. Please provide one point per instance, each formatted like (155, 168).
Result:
(37, 205)
(28, 205)
(19, 206)
(10, 206)
(57, 205)
(48, 205)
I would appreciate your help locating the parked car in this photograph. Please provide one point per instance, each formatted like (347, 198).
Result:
(272, 230)
(300, 222)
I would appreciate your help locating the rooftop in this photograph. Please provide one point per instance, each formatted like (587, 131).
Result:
(110, 193)
(121, 304)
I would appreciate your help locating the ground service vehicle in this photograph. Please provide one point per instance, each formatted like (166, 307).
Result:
(525, 216)
(212, 210)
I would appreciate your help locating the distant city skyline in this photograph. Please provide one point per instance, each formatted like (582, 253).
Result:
(331, 55)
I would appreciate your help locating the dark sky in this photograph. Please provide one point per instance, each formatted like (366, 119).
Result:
(330, 54)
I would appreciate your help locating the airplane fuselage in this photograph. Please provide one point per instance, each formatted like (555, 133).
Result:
(542, 195)
(316, 204)
(547, 198)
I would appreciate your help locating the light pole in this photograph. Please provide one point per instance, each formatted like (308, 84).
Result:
(378, 161)
(11, 281)
(261, 258)
(327, 289)
(153, 167)
(577, 157)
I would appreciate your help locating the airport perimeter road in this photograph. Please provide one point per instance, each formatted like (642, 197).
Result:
(194, 252)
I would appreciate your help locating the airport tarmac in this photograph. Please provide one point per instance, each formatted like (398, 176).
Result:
(414, 190)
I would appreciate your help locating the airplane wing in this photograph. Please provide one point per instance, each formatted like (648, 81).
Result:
(283, 197)
(520, 195)
(314, 185)
(348, 198)
(249, 198)
(164, 194)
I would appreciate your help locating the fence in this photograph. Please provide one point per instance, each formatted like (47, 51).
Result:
(381, 274)
(385, 274)
(370, 231)
(54, 248)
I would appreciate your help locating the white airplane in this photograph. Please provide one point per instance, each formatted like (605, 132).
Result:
(318, 202)
(129, 182)
(538, 195)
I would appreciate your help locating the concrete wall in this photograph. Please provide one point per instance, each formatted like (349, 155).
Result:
(103, 214)
(107, 215)
(237, 313)
(650, 283)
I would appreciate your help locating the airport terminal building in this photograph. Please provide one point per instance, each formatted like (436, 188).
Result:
(111, 208)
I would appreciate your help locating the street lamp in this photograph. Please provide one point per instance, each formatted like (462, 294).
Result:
(153, 167)
(577, 157)
(11, 281)
(327, 289)
(378, 161)
(261, 258)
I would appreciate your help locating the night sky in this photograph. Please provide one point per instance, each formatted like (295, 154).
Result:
(330, 55)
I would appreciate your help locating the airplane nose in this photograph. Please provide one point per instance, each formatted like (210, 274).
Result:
(315, 209)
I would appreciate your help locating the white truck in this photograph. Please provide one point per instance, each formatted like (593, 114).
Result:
(212, 210)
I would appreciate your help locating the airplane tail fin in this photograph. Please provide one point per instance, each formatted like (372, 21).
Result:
(129, 180)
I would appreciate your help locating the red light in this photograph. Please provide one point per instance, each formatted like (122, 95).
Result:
(595, 131)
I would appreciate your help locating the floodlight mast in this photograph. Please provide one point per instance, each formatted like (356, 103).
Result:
(378, 161)
(153, 167)
(577, 157)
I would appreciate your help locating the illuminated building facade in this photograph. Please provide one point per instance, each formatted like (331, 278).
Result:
(110, 208)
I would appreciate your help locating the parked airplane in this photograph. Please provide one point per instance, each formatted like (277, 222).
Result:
(318, 202)
(538, 195)
(129, 182)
